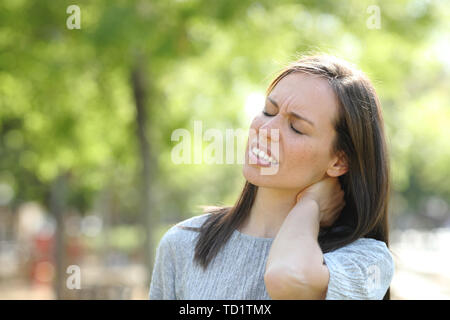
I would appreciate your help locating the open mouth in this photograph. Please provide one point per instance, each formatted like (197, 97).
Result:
(262, 155)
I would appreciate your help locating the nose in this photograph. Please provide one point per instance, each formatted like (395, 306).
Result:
(270, 130)
(268, 137)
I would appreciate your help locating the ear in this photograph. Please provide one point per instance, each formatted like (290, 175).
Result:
(338, 166)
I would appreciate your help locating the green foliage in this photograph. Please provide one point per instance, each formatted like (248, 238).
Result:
(66, 103)
(124, 238)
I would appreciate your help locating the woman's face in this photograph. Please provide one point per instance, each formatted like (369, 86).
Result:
(304, 157)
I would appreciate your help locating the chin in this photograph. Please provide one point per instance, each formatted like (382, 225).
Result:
(253, 175)
(261, 176)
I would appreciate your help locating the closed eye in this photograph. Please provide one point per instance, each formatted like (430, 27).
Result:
(272, 115)
(296, 130)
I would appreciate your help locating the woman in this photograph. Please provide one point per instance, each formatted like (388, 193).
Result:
(314, 228)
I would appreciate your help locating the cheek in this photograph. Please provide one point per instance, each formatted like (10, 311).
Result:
(305, 159)
(301, 154)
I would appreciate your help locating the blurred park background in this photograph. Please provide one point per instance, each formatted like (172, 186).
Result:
(86, 118)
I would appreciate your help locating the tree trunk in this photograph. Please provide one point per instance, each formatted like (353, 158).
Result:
(57, 207)
(140, 87)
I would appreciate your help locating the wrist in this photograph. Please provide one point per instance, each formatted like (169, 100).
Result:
(310, 207)
(309, 201)
(308, 196)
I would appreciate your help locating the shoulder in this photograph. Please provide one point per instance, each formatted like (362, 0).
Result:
(362, 254)
(194, 222)
(367, 246)
(364, 268)
(365, 250)
(179, 235)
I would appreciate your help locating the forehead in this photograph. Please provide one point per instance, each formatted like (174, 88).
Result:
(308, 95)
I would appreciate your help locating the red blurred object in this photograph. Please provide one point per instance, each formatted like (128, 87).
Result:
(42, 265)
(74, 249)
(43, 260)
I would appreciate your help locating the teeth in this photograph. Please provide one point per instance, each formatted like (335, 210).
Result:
(261, 154)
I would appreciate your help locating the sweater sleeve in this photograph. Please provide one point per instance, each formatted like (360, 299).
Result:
(362, 270)
(162, 285)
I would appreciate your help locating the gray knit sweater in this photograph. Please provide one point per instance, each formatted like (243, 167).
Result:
(360, 270)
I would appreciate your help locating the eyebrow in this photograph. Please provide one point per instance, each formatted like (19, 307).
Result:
(291, 113)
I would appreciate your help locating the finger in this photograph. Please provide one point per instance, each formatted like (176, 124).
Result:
(330, 221)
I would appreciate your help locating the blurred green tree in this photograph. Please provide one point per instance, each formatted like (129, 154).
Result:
(93, 108)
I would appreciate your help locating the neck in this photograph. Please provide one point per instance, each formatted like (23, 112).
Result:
(270, 208)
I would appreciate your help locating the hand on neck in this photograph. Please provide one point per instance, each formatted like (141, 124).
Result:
(270, 208)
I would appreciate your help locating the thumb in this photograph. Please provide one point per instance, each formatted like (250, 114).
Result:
(299, 195)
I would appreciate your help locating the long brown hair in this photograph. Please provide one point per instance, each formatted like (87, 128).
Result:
(360, 135)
